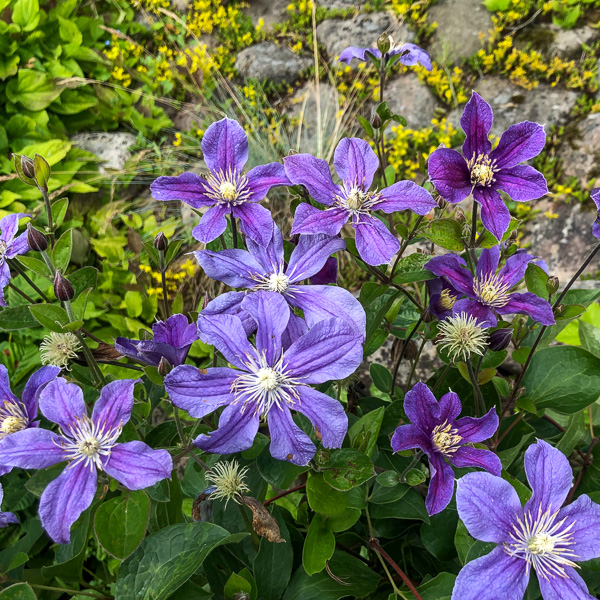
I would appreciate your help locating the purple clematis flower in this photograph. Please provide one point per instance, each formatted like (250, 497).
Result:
(172, 341)
(262, 268)
(226, 190)
(442, 297)
(88, 445)
(482, 171)
(595, 193)
(489, 293)
(410, 55)
(10, 247)
(540, 535)
(6, 518)
(437, 430)
(15, 414)
(356, 164)
(268, 381)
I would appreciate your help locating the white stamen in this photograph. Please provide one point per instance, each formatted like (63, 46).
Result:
(492, 290)
(463, 336)
(13, 418)
(228, 187)
(277, 281)
(482, 170)
(228, 478)
(357, 201)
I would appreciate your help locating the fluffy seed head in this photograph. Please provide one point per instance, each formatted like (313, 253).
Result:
(228, 478)
(463, 336)
(58, 349)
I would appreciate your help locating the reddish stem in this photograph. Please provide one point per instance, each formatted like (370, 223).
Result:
(290, 491)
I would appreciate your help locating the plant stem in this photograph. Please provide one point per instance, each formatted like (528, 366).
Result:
(15, 264)
(234, 231)
(44, 193)
(249, 527)
(442, 377)
(403, 351)
(405, 243)
(414, 365)
(586, 262)
(290, 491)
(23, 294)
(479, 402)
(67, 591)
(163, 278)
(415, 461)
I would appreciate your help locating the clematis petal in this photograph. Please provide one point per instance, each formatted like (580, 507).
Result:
(422, 408)
(328, 274)
(19, 245)
(236, 432)
(514, 269)
(5, 391)
(583, 516)
(488, 506)
(212, 224)
(519, 143)
(320, 302)
(230, 304)
(326, 414)
(62, 403)
(65, 498)
(355, 163)
(225, 146)
(450, 407)
(360, 54)
(529, 304)
(199, 393)
(288, 441)
(521, 183)
(271, 313)
(441, 485)
(113, 408)
(450, 174)
(4, 281)
(264, 177)
(226, 333)
(550, 477)
(406, 195)
(472, 429)
(296, 328)
(236, 268)
(465, 456)
(494, 214)
(407, 437)
(31, 448)
(9, 225)
(493, 576)
(488, 262)
(311, 254)
(331, 350)
(571, 587)
(484, 315)
(257, 221)
(476, 122)
(137, 466)
(374, 242)
(309, 219)
(595, 195)
(453, 269)
(270, 257)
(187, 187)
(176, 331)
(314, 174)
(413, 55)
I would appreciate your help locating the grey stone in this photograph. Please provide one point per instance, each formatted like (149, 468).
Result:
(512, 104)
(112, 148)
(341, 4)
(270, 11)
(459, 24)
(362, 31)
(568, 43)
(409, 97)
(563, 242)
(581, 156)
(268, 60)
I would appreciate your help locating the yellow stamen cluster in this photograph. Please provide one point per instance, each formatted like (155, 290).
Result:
(482, 170)
(445, 438)
(492, 290)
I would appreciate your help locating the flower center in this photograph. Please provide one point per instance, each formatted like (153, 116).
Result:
(278, 282)
(228, 190)
(543, 542)
(445, 438)
(482, 170)
(59, 348)
(12, 418)
(492, 290)
(447, 300)
(357, 201)
(3, 248)
(267, 379)
(463, 336)
(226, 187)
(90, 446)
(12, 425)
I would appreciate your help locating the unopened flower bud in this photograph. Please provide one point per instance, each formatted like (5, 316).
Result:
(441, 202)
(466, 231)
(161, 243)
(376, 121)
(459, 215)
(63, 289)
(292, 152)
(552, 285)
(36, 240)
(205, 300)
(384, 43)
(428, 316)
(500, 339)
(559, 310)
(164, 367)
(27, 167)
(513, 235)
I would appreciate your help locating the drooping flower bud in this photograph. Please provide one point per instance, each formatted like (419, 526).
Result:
(36, 240)
(552, 285)
(500, 339)
(63, 289)
(164, 367)
(27, 167)
(384, 43)
(459, 215)
(161, 243)
(441, 202)
(376, 121)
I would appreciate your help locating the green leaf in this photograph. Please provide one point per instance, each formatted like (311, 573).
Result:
(413, 277)
(438, 535)
(235, 584)
(410, 506)
(278, 473)
(8, 66)
(17, 317)
(446, 233)
(463, 542)
(590, 338)
(570, 311)
(366, 126)
(438, 588)
(19, 559)
(573, 433)
(62, 251)
(26, 14)
(382, 378)
(167, 559)
(59, 210)
(36, 265)
(42, 170)
(53, 317)
(536, 279)
(348, 468)
(322, 498)
(120, 523)
(18, 591)
(487, 240)
(83, 279)
(319, 545)
(363, 434)
(370, 291)
(33, 90)
(564, 378)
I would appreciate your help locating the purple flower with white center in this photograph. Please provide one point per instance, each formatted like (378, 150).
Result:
(442, 297)
(172, 341)
(6, 518)
(10, 247)
(88, 444)
(226, 190)
(263, 268)
(541, 535)
(356, 164)
(482, 171)
(595, 193)
(269, 382)
(15, 414)
(490, 291)
(436, 429)
(410, 55)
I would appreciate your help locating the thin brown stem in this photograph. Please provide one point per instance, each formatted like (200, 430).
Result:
(403, 352)
(282, 494)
